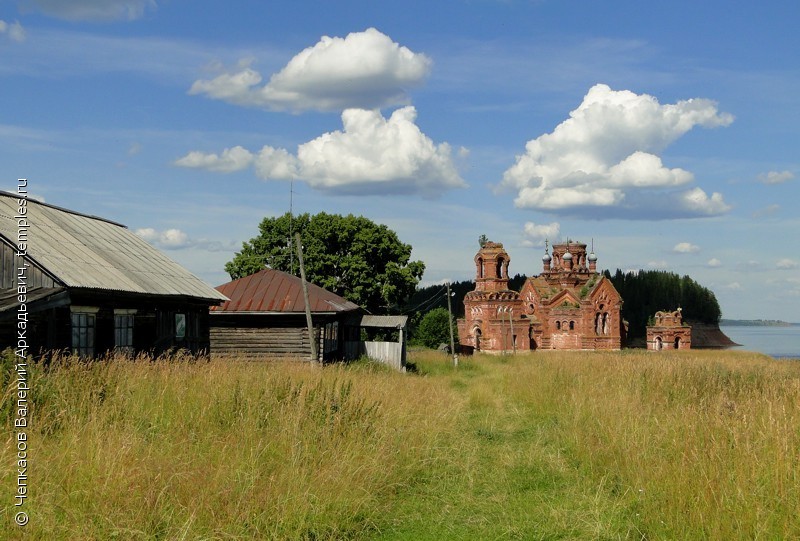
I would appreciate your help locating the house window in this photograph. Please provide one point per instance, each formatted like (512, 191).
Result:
(180, 326)
(83, 330)
(123, 330)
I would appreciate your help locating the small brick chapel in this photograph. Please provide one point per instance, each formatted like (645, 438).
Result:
(568, 306)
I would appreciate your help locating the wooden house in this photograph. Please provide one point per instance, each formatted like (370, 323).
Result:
(89, 286)
(266, 317)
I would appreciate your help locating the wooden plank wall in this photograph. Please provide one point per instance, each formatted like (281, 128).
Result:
(286, 342)
(9, 264)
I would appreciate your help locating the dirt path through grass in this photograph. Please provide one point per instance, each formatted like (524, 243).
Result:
(504, 475)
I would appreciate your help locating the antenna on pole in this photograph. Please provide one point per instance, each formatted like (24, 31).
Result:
(291, 227)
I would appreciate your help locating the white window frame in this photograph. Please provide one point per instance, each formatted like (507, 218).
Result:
(85, 318)
(123, 334)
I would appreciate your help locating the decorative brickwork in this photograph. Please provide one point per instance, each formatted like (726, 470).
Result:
(568, 306)
(669, 332)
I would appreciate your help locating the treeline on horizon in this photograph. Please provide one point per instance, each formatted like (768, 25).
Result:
(644, 293)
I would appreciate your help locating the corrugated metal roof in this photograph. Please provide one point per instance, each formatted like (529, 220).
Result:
(391, 322)
(271, 290)
(84, 251)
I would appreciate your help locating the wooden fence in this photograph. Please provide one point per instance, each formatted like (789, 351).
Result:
(390, 353)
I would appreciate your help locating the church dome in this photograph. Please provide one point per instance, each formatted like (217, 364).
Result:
(568, 256)
(592, 257)
(546, 257)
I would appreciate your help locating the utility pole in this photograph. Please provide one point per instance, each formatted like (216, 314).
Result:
(511, 323)
(502, 329)
(452, 341)
(311, 338)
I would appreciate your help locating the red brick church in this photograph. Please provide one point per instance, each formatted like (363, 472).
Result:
(568, 306)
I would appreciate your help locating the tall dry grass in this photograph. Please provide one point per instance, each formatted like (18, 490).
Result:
(694, 445)
(578, 445)
(228, 449)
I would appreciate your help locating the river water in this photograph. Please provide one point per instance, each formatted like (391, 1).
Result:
(780, 342)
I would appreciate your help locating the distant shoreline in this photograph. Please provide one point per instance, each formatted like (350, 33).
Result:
(756, 323)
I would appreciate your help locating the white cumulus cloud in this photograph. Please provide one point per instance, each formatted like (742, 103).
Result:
(169, 239)
(230, 160)
(175, 239)
(14, 31)
(536, 234)
(606, 155)
(91, 10)
(775, 177)
(714, 262)
(371, 155)
(685, 248)
(362, 70)
(787, 264)
(698, 203)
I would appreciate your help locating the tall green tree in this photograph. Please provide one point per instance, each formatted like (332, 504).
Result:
(434, 329)
(351, 256)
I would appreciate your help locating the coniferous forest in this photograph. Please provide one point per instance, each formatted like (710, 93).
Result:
(646, 292)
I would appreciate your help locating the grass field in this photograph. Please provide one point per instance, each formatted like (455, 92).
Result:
(619, 445)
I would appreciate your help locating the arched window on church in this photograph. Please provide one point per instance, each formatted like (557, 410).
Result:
(605, 323)
(480, 267)
(558, 325)
(572, 325)
(499, 269)
(598, 328)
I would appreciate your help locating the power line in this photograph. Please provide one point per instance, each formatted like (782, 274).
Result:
(437, 296)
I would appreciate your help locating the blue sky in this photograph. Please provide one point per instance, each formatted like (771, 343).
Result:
(667, 134)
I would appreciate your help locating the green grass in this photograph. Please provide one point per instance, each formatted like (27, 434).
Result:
(618, 445)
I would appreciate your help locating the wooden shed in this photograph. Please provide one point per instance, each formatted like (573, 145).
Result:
(388, 347)
(88, 285)
(265, 317)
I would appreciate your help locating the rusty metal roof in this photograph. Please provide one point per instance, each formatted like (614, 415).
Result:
(83, 251)
(273, 291)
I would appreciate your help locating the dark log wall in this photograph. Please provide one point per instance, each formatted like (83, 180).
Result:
(271, 342)
(277, 335)
(50, 329)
